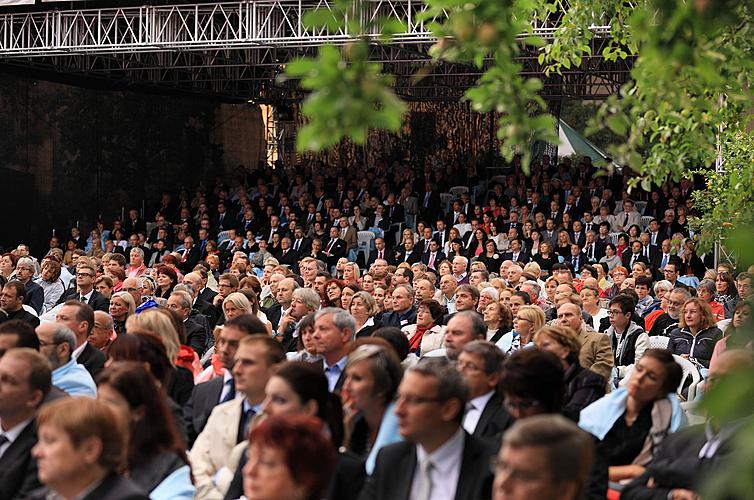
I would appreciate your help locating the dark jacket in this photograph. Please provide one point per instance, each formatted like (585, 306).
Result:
(97, 301)
(399, 320)
(493, 421)
(676, 464)
(18, 469)
(699, 348)
(396, 465)
(582, 388)
(93, 360)
(196, 411)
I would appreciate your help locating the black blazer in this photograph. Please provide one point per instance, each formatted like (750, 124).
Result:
(18, 469)
(92, 359)
(493, 421)
(196, 411)
(396, 464)
(97, 301)
(116, 487)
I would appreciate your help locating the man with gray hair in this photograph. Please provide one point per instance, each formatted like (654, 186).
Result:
(668, 321)
(480, 364)
(551, 452)
(532, 289)
(35, 295)
(305, 301)
(404, 311)
(333, 331)
(197, 334)
(438, 459)
(283, 297)
(57, 342)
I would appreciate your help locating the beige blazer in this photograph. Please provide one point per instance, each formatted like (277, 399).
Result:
(433, 338)
(596, 352)
(213, 448)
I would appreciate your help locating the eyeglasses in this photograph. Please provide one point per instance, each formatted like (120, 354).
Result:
(85, 275)
(612, 312)
(462, 367)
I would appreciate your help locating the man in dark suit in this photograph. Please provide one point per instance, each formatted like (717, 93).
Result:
(577, 259)
(409, 253)
(593, 249)
(301, 244)
(393, 211)
(79, 317)
(516, 253)
(190, 255)
(223, 220)
(430, 419)
(648, 250)
(442, 234)
(429, 207)
(480, 363)
(335, 247)
(25, 381)
(288, 256)
(578, 235)
(85, 292)
(197, 334)
(207, 395)
(433, 258)
(380, 252)
(632, 255)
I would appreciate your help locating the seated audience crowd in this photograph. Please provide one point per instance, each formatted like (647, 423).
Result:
(381, 334)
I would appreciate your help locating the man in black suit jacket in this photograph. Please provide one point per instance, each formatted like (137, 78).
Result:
(207, 395)
(409, 253)
(429, 203)
(480, 364)
(79, 317)
(190, 255)
(414, 469)
(288, 256)
(380, 252)
(335, 248)
(85, 292)
(26, 377)
(632, 255)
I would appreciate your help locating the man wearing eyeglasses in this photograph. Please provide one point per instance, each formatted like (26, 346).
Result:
(85, 291)
(629, 341)
(666, 323)
(545, 456)
(439, 460)
(57, 342)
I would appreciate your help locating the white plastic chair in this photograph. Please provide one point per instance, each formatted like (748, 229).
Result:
(658, 342)
(223, 236)
(640, 206)
(614, 238)
(365, 243)
(457, 191)
(689, 370)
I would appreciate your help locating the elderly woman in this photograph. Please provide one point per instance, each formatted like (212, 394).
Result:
(80, 452)
(487, 296)
(706, 292)
(364, 309)
(499, 320)
(630, 422)
(122, 306)
(373, 374)
(426, 335)
(156, 457)
(582, 386)
(697, 332)
(528, 320)
(49, 280)
(8, 265)
(619, 274)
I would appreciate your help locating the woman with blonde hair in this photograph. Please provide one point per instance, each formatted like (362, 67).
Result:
(122, 305)
(528, 320)
(697, 332)
(582, 386)
(159, 322)
(235, 305)
(364, 309)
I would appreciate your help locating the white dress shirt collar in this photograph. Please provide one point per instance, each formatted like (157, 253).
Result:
(474, 409)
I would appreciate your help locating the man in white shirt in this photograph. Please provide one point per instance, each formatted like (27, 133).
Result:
(479, 364)
(438, 460)
(333, 329)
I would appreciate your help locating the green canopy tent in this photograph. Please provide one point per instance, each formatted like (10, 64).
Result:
(571, 142)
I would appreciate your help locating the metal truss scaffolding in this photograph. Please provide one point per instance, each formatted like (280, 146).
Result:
(236, 50)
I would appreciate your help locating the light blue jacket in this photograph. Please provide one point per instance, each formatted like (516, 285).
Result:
(599, 417)
(74, 380)
(177, 486)
(388, 434)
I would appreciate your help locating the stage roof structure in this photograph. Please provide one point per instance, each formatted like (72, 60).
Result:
(235, 51)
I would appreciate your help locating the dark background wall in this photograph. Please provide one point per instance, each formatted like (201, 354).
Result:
(72, 154)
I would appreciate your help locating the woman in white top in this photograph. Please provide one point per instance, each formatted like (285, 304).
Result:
(590, 302)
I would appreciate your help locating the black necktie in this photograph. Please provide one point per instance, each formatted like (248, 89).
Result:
(83, 299)
(231, 393)
(243, 427)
